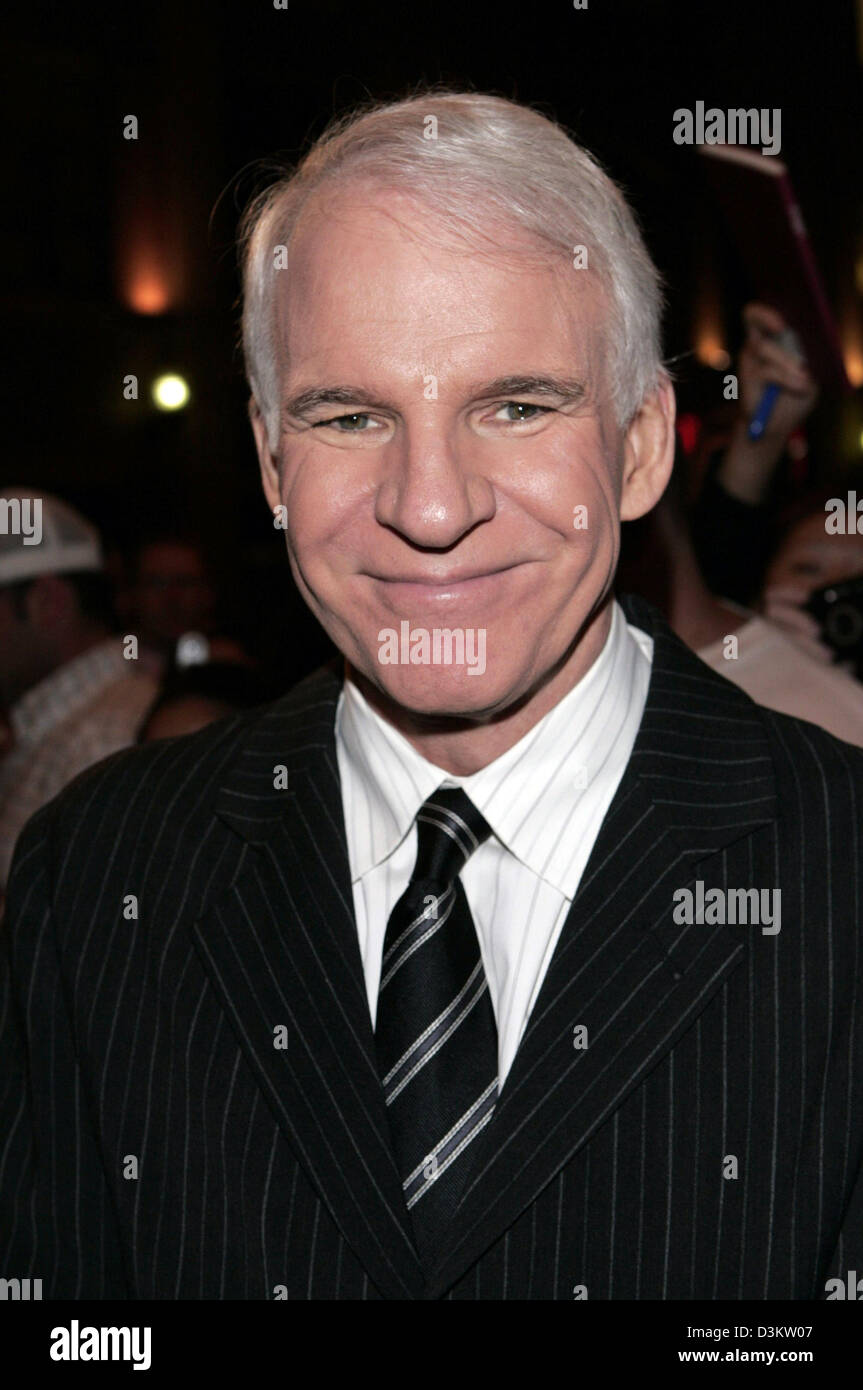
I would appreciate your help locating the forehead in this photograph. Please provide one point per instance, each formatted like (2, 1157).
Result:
(811, 535)
(173, 555)
(377, 275)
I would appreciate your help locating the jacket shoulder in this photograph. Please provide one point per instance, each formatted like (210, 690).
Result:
(794, 740)
(819, 785)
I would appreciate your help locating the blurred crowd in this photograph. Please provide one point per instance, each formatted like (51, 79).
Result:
(96, 655)
(761, 575)
(760, 579)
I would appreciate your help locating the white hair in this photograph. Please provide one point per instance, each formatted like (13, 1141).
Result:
(473, 159)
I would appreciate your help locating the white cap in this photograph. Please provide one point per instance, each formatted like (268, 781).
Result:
(39, 534)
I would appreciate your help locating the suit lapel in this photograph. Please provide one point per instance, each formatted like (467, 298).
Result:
(281, 946)
(699, 780)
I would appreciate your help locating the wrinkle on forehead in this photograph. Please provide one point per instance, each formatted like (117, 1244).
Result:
(415, 217)
(361, 206)
(375, 212)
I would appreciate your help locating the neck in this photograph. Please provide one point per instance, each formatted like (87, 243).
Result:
(463, 746)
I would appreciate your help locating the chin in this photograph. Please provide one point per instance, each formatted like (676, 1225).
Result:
(446, 692)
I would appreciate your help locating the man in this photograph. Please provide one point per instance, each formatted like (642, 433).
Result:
(169, 594)
(71, 696)
(406, 988)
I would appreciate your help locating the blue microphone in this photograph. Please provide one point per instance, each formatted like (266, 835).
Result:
(789, 342)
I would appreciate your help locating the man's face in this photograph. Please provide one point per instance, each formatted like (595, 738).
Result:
(448, 458)
(809, 557)
(172, 594)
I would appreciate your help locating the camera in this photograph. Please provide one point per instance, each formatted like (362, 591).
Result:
(838, 609)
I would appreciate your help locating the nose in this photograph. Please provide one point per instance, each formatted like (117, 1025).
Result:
(431, 493)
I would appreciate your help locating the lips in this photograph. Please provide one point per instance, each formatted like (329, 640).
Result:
(442, 581)
(478, 589)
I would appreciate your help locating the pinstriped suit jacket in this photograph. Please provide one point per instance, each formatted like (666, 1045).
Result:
(155, 1143)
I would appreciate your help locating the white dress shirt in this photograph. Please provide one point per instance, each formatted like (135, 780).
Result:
(545, 800)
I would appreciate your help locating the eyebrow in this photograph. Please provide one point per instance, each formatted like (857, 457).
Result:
(328, 395)
(513, 386)
(566, 388)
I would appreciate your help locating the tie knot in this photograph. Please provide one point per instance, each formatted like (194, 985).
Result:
(449, 829)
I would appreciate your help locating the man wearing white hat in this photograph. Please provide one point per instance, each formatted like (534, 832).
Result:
(70, 696)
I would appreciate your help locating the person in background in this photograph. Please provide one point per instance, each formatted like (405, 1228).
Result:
(807, 558)
(731, 518)
(169, 594)
(772, 665)
(750, 552)
(70, 696)
(191, 699)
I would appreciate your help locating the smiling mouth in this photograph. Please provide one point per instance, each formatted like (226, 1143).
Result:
(442, 582)
(404, 592)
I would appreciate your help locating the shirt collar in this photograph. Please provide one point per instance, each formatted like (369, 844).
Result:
(531, 789)
(68, 689)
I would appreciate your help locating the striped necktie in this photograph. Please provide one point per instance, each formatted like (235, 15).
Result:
(435, 1030)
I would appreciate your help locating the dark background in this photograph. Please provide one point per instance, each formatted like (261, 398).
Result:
(216, 87)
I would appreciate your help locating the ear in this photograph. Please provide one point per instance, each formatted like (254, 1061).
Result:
(648, 453)
(268, 465)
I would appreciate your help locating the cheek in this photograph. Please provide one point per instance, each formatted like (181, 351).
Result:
(779, 573)
(570, 492)
(323, 499)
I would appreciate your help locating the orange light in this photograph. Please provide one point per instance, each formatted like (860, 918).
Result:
(147, 292)
(709, 350)
(851, 337)
(854, 366)
(852, 351)
(708, 328)
(148, 275)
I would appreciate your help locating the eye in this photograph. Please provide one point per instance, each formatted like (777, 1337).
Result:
(348, 424)
(518, 411)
